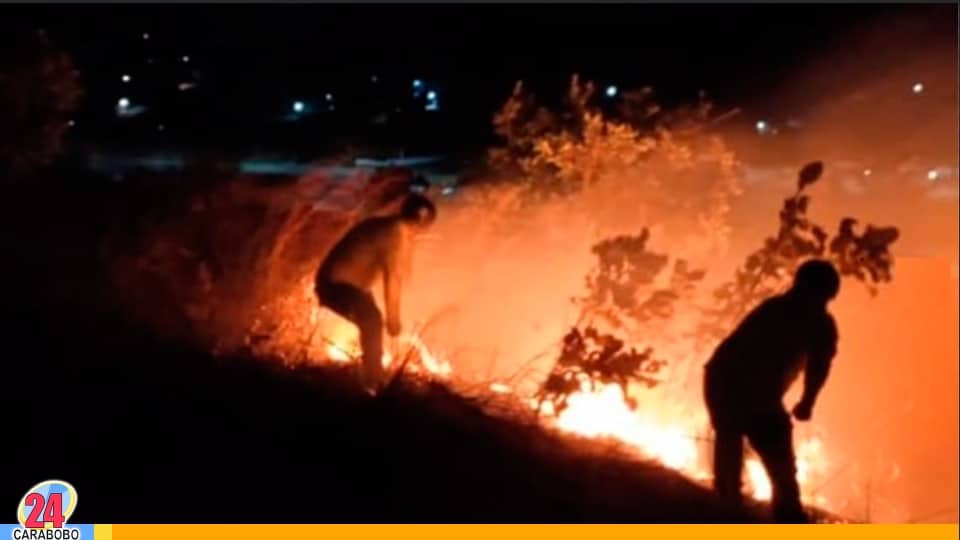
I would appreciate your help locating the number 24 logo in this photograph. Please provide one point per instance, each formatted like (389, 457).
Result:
(52, 511)
(51, 503)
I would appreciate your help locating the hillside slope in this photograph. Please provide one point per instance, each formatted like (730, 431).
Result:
(148, 432)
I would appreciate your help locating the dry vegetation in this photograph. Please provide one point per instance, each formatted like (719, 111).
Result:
(230, 268)
(227, 269)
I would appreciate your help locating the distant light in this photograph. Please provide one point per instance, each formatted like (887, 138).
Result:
(917, 88)
(448, 190)
(329, 97)
(71, 123)
(932, 174)
(611, 91)
(123, 103)
(149, 60)
(331, 108)
(432, 103)
(160, 127)
(417, 83)
(867, 172)
(374, 79)
(146, 36)
(184, 86)
(762, 126)
(185, 59)
(125, 78)
(298, 106)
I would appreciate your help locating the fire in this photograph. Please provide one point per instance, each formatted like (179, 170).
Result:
(664, 434)
(759, 482)
(810, 461)
(431, 362)
(605, 413)
(342, 344)
(671, 440)
(343, 347)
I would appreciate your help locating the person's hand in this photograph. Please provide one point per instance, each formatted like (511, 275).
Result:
(803, 411)
(394, 327)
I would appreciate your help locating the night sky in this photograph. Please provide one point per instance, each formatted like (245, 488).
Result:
(254, 57)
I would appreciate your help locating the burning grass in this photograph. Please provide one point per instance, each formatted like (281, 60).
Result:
(624, 216)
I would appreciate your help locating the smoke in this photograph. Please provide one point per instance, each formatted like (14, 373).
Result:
(494, 282)
(887, 114)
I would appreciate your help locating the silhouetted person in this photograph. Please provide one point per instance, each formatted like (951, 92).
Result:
(751, 370)
(378, 247)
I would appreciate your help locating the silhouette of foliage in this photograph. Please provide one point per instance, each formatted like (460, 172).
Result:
(622, 292)
(668, 157)
(621, 287)
(590, 358)
(768, 270)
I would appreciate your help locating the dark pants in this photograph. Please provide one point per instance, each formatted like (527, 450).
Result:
(769, 432)
(358, 307)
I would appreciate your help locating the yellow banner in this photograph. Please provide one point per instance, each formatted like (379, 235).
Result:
(529, 532)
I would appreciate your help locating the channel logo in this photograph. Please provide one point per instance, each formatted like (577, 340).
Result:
(44, 511)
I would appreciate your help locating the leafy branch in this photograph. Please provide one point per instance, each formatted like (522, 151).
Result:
(590, 358)
(767, 271)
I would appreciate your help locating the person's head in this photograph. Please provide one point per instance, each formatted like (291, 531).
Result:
(418, 211)
(816, 281)
(419, 184)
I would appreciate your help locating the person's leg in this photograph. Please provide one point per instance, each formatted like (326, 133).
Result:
(772, 438)
(358, 307)
(728, 465)
(370, 323)
(728, 442)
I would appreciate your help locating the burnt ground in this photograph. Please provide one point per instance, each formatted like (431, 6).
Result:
(153, 431)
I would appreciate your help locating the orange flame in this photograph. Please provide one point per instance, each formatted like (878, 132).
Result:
(343, 347)
(669, 438)
(665, 435)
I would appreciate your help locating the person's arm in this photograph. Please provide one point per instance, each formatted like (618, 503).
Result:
(393, 276)
(823, 348)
